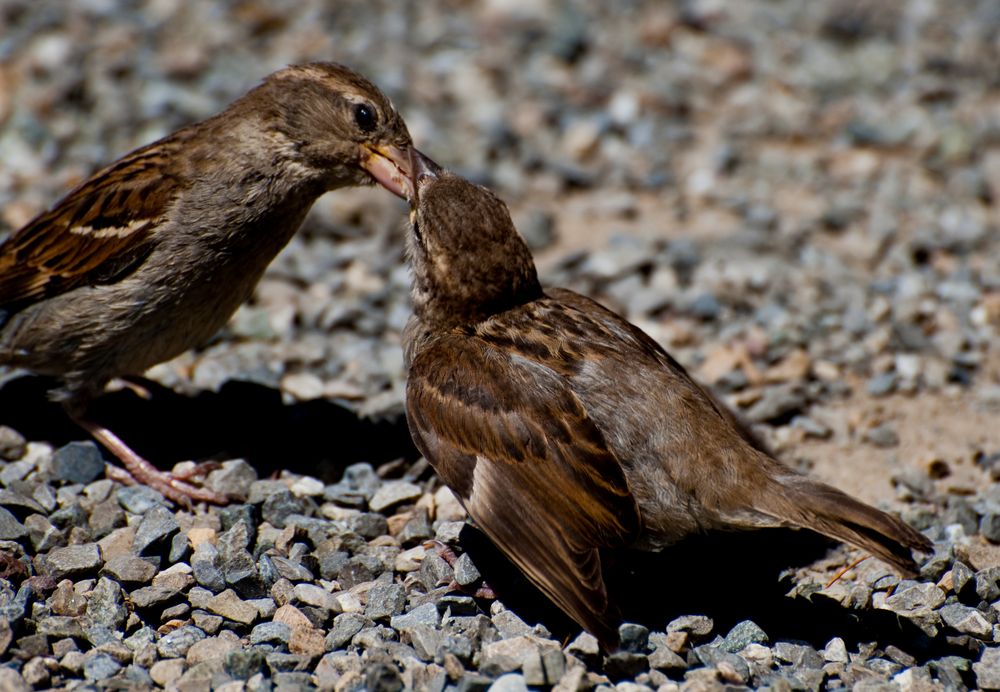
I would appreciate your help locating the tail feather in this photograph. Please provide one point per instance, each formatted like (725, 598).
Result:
(835, 514)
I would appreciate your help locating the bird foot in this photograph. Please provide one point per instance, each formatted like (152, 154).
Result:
(138, 470)
(446, 553)
(484, 590)
(191, 470)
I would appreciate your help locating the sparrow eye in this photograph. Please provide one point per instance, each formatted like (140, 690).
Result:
(364, 116)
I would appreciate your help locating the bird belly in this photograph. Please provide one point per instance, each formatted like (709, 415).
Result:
(670, 514)
(94, 333)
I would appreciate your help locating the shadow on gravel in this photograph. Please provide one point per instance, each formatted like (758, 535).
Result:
(242, 420)
(729, 577)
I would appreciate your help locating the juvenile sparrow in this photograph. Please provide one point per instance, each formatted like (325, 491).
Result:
(151, 256)
(565, 430)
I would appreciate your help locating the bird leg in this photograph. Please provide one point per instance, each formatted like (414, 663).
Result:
(138, 470)
(134, 385)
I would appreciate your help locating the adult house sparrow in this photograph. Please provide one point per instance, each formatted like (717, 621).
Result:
(565, 430)
(151, 256)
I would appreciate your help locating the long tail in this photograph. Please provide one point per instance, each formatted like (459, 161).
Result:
(822, 508)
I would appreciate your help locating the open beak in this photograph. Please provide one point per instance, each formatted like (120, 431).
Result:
(390, 167)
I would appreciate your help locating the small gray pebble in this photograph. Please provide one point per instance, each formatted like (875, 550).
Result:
(663, 658)
(359, 569)
(44, 536)
(206, 622)
(176, 644)
(10, 528)
(12, 444)
(882, 436)
(425, 640)
(633, 637)
(989, 527)
(732, 668)
(331, 560)
(369, 525)
(384, 601)
(73, 561)
(799, 655)
(60, 627)
(78, 462)
(781, 401)
(426, 614)
(279, 506)
(106, 605)
(392, 493)
(288, 569)
(987, 670)
(458, 604)
(697, 625)
(148, 597)
(988, 583)
(509, 682)
(883, 384)
(105, 517)
(963, 581)
(233, 479)
(205, 567)
(417, 530)
(345, 626)
(811, 427)
(270, 632)
(448, 532)
(967, 621)
(625, 665)
(915, 597)
(100, 667)
(180, 548)
(129, 569)
(139, 499)
(466, 572)
(510, 625)
(742, 635)
(14, 471)
(155, 529)
(705, 307)
(242, 665)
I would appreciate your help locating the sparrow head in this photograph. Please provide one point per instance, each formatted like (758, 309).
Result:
(469, 262)
(337, 123)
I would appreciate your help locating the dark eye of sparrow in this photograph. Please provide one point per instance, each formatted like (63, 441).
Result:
(364, 116)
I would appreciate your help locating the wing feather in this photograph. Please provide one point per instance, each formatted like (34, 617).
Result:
(517, 446)
(98, 231)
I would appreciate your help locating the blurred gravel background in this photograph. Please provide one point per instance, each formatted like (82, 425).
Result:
(800, 200)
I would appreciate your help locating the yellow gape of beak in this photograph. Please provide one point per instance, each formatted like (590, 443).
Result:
(390, 167)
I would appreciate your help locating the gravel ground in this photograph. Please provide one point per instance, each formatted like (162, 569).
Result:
(799, 200)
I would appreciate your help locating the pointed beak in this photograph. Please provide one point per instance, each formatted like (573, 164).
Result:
(390, 167)
(422, 171)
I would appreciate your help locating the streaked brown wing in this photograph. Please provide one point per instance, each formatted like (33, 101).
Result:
(534, 472)
(98, 231)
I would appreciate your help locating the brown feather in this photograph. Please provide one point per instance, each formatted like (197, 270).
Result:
(514, 438)
(98, 230)
(550, 416)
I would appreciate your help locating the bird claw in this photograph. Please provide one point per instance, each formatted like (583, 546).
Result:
(448, 554)
(138, 470)
(170, 485)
